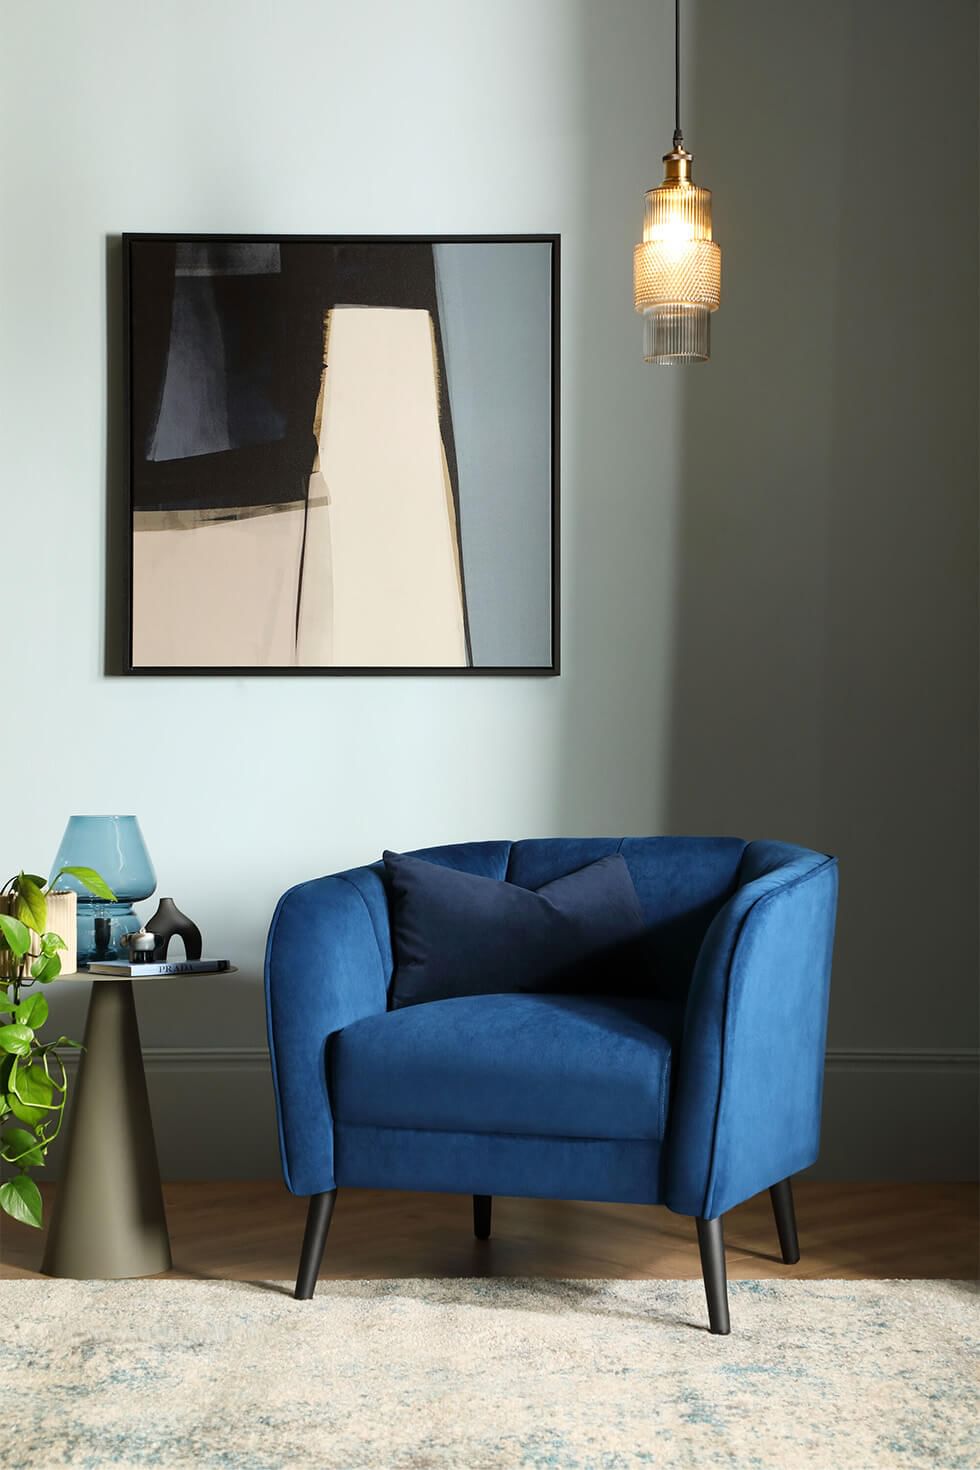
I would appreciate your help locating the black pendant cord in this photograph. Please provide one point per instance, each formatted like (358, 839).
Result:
(678, 135)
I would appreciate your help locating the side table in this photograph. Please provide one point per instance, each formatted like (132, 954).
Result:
(108, 1220)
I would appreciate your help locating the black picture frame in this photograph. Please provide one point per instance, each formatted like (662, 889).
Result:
(129, 240)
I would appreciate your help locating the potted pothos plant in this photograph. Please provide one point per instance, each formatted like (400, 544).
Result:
(33, 1080)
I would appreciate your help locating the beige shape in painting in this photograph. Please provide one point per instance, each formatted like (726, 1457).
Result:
(219, 594)
(381, 581)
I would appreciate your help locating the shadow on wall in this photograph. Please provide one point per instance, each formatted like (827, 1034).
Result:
(620, 432)
(825, 662)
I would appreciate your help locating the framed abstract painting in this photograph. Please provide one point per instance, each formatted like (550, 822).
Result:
(343, 454)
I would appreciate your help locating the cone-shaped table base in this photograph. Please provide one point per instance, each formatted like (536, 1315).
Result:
(108, 1219)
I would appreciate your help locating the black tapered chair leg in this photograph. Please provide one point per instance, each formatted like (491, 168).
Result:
(711, 1244)
(482, 1209)
(781, 1195)
(318, 1219)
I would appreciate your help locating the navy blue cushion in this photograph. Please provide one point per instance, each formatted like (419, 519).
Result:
(681, 883)
(463, 934)
(559, 1066)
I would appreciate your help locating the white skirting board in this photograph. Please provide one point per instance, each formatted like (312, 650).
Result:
(887, 1114)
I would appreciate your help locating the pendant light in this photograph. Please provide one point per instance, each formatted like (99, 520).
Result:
(677, 265)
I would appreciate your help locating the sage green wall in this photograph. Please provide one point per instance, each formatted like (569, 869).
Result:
(769, 564)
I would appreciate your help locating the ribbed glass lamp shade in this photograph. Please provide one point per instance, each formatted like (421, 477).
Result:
(677, 268)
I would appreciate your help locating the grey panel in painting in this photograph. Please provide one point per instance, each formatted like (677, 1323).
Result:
(495, 313)
(193, 414)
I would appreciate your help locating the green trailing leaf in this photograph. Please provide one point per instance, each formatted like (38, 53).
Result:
(21, 1199)
(32, 1086)
(16, 933)
(50, 942)
(18, 1146)
(24, 1111)
(16, 1039)
(46, 968)
(32, 1012)
(90, 879)
(38, 882)
(32, 906)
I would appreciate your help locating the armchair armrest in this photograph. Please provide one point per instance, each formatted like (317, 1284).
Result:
(327, 964)
(746, 1110)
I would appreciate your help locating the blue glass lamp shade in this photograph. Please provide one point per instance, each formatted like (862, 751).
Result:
(114, 847)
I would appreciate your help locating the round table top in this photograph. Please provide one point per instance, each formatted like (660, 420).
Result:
(178, 975)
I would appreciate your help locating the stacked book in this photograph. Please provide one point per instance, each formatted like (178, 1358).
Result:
(148, 968)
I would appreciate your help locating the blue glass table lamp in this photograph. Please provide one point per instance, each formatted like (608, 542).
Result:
(114, 847)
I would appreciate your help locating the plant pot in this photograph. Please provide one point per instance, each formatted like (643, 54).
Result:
(62, 920)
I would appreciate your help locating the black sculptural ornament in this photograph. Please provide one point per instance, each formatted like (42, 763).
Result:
(169, 923)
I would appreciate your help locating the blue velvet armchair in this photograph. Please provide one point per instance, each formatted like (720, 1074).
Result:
(697, 1094)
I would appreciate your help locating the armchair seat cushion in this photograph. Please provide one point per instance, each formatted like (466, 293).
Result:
(544, 1065)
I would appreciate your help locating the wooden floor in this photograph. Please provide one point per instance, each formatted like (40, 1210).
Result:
(252, 1231)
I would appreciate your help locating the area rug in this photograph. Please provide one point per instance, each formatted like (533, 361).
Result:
(479, 1374)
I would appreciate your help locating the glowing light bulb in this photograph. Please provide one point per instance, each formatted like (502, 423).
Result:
(674, 231)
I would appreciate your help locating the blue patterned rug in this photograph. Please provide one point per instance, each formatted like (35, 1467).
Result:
(480, 1374)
